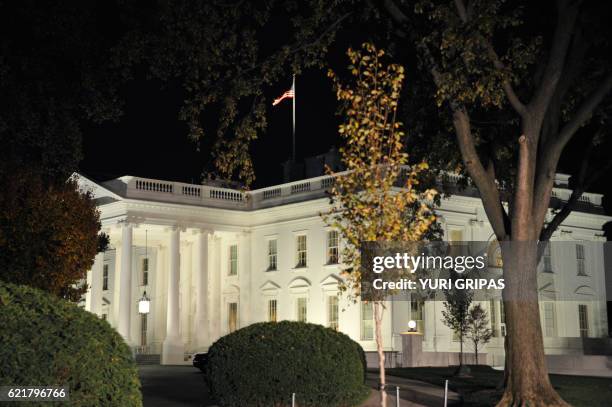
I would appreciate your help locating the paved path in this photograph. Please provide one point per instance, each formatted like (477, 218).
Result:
(179, 386)
(414, 392)
(183, 386)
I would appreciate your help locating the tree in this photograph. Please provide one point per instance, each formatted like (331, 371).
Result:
(48, 234)
(516, 88)
(366, 205)
(455, 315)
(478, 330)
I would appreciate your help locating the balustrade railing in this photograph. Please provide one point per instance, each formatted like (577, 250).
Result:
(289, 192)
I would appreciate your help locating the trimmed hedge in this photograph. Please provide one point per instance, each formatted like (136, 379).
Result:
(48, 341)
(264, 363)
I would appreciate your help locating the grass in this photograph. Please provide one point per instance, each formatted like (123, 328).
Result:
(480, 389)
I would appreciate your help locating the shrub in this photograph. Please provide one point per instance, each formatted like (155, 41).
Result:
(47, 341)
(264, 363)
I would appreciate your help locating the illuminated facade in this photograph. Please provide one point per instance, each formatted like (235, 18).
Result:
(212, 260)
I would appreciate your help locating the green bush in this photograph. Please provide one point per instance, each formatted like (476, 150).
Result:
(47, 341)
(264, 363)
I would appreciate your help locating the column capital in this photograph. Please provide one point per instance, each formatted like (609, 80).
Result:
(202, 230)
(176, 228)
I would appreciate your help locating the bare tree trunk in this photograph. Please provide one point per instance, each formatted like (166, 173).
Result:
(378, 316)
(476, 352)
(527, 381)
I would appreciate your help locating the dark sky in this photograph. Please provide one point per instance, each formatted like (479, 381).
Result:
(150, 141)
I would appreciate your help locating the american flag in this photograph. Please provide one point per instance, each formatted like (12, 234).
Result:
(287, 95)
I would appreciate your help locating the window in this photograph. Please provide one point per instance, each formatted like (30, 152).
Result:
(332, 312)
(300, 252)
(272, 311)
(416, 313)
(143, 329)
(145, 271)
(233, 260)
(455, 237)
(302, 309)
(367, 321)
(105, 316)
(580, 260)
(549, 319)
(333, 247)
(232, 316)
(547, 260)
(583, 320)
(493, 313)
(105, 277)
(272, 255)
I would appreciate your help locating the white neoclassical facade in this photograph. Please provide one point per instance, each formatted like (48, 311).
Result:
(213, 260)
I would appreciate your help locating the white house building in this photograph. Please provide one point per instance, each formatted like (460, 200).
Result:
(212, 260)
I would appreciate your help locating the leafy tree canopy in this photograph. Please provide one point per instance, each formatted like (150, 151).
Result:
(48, 234)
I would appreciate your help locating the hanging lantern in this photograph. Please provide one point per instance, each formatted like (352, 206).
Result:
(144, 304)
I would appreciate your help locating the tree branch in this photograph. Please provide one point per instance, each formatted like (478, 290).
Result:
(551, 151)
(579, 189)
(497, 63)
(480, 176)
(566, 19)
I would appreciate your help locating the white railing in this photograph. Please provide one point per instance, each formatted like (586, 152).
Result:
(155, 186)
(226, 195)
(275, 195)
(301, 187)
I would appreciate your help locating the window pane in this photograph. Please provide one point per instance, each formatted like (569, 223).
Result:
(332, 312)
(232, 319)
(301, 254)
(493, 319)
(549, 319)
(233, 260)
(367, 321)
(272, 314)
(105, 277)
(143, 329)
(272, 254)
(302, 310)
(332, 247)
(583, 320)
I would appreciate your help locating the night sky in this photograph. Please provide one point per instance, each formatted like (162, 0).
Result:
(150, 141)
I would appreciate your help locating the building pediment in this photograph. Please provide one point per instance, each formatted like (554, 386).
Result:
(330, 283)
(270, 288)
(299, 285)
(585, 290)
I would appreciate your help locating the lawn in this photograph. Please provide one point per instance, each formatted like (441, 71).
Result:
(480, 389)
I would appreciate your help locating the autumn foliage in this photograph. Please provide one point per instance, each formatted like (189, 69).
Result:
(377, 199)
(48, 233)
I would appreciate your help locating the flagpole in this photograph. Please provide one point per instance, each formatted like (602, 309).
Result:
(293, 153)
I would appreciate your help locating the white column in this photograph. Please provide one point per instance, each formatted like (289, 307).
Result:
(96, 285)
(125, 283)
(202, 334)
(173, 347)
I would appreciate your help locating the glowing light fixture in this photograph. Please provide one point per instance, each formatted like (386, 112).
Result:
(144, 304)
(412, 329)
